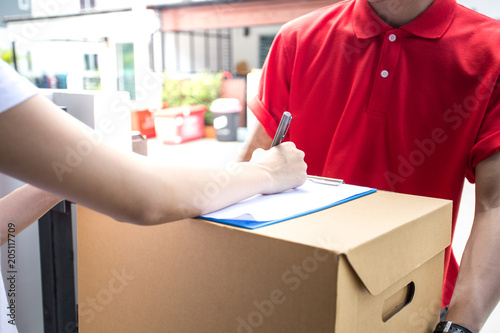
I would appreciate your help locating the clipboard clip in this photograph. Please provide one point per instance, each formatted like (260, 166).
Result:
(325, 180)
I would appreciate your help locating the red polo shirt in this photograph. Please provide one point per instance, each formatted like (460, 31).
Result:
(411, 110)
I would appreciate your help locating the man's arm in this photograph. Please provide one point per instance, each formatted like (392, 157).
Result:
(477, 291)
(22, 207)
(257, 138)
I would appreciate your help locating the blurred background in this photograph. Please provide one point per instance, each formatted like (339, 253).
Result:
(160, 65)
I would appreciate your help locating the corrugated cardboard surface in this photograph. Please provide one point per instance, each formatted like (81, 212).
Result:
(295, 276)
(420, 315)
(193, 277)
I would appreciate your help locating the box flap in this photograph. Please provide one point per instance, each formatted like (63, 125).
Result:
(384, 235)
(383, 260)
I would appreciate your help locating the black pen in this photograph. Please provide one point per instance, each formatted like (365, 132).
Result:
(282, 128)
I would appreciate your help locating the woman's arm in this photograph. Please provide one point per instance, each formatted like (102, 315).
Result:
(22, 207)
(44, 146)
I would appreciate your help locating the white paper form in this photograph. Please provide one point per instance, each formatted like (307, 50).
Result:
(261, 210)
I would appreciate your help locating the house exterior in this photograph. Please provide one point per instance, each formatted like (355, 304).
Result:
(18, 7)
(126, 45)
(87, 45)
(208, 35)
(14, 7)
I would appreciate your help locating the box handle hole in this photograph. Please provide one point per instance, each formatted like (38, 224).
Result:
(398, 301)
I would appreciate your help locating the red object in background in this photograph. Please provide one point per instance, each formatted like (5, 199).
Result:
(227, 75)
(143, 121)
(180, 124)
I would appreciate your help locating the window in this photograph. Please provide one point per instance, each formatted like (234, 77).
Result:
(198, 51)
(265, 42)
(87, 4)
(23, 4)
(91, 78)
(91, 62)
(126, 68)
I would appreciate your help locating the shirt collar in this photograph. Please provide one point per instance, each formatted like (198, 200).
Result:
(432, 23)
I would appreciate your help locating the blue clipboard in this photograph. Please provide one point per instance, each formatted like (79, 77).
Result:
(263, 210)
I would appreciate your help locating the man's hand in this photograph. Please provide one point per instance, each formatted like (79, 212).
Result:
(257, 138)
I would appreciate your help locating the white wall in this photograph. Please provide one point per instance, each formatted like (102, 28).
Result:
(247, 47)
(244, 48)
(4, 41)
(62, 7)
(57, 46)
(490, 8)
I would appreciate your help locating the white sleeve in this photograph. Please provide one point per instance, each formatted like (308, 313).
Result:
(14, 88)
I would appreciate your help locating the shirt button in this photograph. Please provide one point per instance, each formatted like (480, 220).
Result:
(384, 73)
(392, 37)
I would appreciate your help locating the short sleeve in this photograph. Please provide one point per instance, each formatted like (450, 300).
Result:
(488, 139)
(14, 88)
(273, 93)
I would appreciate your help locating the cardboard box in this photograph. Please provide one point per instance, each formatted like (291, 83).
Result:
(374, 264)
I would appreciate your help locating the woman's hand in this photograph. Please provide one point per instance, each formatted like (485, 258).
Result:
(284, 165)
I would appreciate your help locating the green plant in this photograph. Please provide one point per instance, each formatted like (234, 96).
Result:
(201, 89)
(7, 56)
